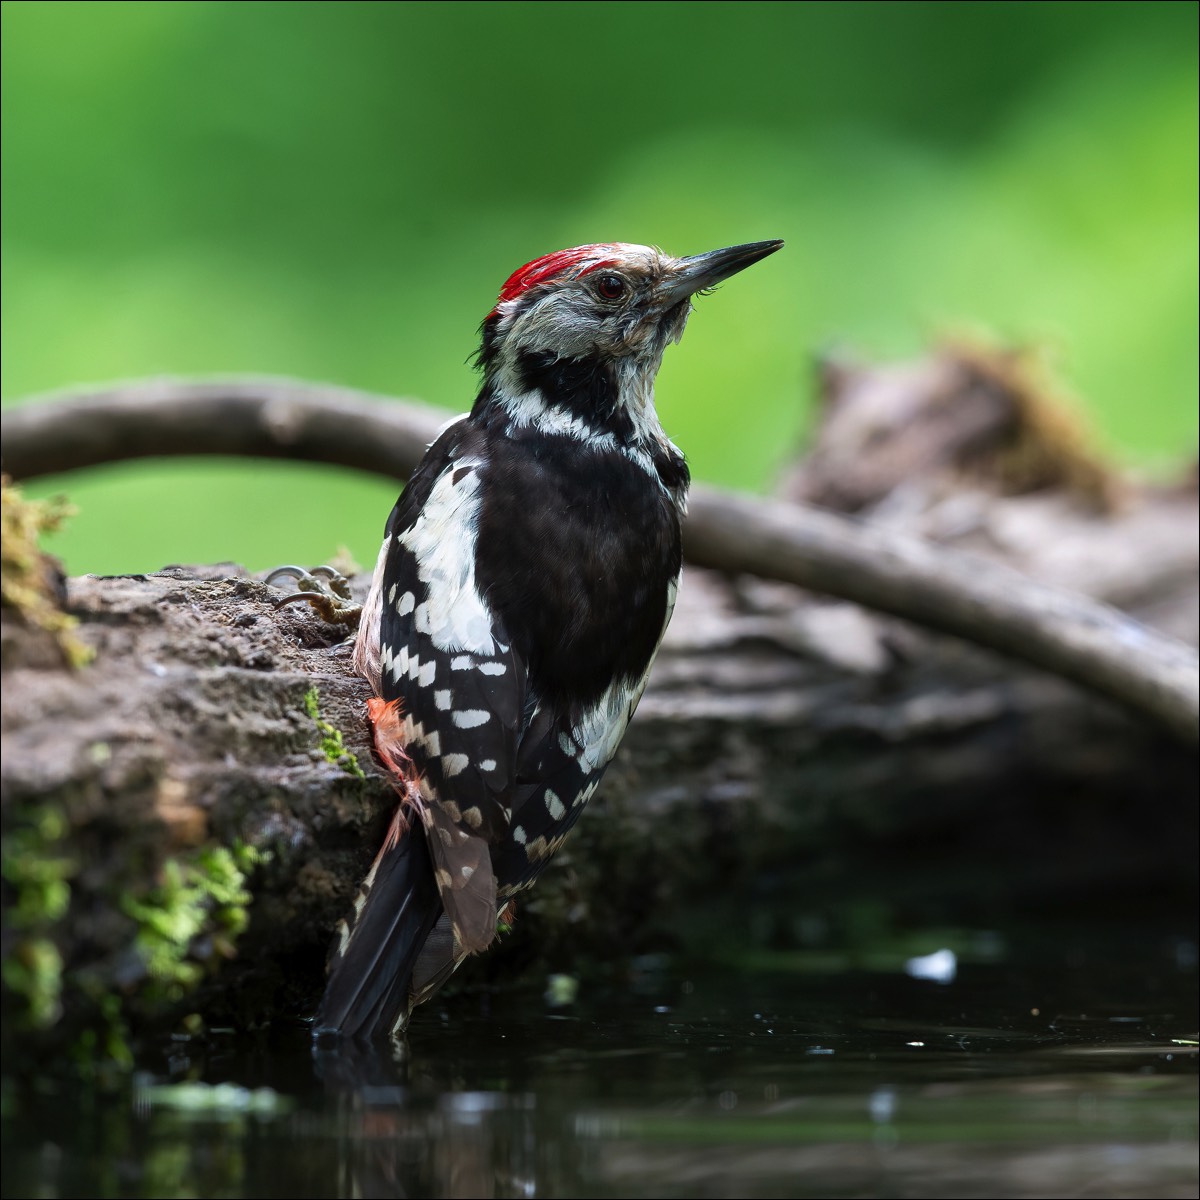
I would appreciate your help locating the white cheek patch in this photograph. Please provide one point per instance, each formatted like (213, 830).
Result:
(558, 319)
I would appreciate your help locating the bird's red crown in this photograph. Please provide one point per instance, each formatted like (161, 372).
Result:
(549, 266)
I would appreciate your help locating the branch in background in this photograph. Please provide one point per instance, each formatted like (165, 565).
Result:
(260, 418)
(1061, 632)
(984, 602)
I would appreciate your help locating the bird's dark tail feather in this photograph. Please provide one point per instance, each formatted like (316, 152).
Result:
(368, 989)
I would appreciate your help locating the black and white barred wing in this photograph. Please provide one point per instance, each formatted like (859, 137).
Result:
(459, 685)
(559, 767)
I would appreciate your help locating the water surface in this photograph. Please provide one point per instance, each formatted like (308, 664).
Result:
(1063, 1068)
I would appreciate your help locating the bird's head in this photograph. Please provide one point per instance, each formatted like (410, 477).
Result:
(576, 337)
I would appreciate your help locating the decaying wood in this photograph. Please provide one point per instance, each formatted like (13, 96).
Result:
(889, 571)
(784, 732)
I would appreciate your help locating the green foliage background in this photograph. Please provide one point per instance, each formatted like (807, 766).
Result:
(336, 191)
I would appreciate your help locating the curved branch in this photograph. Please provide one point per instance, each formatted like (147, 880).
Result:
(260, 418)
(985, 602)
(1061, 632)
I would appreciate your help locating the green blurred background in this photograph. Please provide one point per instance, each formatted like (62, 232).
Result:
(336, 192)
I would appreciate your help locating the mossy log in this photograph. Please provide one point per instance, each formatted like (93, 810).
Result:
(187, 816)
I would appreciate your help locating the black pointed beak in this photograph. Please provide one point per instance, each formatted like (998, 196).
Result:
(701, 271)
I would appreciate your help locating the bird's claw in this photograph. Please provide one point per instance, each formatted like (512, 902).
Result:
(326, 589)
(325, 580)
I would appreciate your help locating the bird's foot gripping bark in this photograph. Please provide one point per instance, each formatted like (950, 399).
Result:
(327, 590)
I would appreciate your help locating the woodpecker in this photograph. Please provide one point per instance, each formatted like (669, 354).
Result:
(527, 574)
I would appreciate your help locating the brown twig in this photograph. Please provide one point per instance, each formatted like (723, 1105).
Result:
(1061, 632)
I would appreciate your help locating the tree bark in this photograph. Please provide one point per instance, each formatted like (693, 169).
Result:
(783, 733)
(889, 571)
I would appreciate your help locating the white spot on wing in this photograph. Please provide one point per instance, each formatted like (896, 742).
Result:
(427, 673)
(492, 668)
(454, 764)
(441, 699)
(554, 806)
(407, 603)
(471, 718)
(399, 664)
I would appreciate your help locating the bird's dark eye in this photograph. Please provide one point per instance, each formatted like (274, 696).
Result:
(610, 287)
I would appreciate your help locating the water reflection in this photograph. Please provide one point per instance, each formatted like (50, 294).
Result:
(997, 1082)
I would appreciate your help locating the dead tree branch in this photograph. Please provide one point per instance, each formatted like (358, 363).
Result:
(1060, 632)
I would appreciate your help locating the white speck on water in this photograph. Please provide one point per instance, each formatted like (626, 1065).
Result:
(882, 1104)
(940, 967)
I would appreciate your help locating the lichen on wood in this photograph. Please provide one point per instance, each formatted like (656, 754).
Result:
(31, 583)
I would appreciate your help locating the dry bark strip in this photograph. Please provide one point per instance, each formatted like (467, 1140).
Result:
(1060, 632)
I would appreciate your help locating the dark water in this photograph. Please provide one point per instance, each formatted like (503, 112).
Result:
(1062, 1069)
